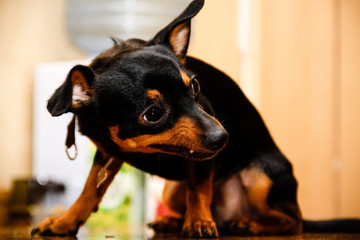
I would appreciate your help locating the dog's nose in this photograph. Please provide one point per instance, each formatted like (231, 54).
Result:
(215, 140)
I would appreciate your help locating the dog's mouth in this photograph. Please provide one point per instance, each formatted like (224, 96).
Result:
(191, 154)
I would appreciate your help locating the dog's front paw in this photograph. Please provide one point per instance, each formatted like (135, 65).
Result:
(200, 229)
(60, 226)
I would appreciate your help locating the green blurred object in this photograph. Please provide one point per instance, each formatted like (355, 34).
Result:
(123, 206)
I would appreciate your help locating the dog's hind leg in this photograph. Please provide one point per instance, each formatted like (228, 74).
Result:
(69, 223)
(281, 217)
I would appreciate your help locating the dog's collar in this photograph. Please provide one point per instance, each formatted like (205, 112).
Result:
(70, 138)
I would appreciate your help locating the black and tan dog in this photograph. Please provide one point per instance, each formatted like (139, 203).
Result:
(148, 104)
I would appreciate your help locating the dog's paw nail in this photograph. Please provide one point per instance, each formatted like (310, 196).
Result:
(47, 232)
(198, 233)
(34, 231)
(186, 233)
(205, 232)
(210, 233)
(214, 233)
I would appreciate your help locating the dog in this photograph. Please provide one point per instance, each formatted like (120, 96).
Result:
(148, 104)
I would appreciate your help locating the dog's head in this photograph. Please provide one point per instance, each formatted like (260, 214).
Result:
(141, 91)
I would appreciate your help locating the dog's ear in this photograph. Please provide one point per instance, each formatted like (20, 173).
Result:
(176, 34)
(74, 93)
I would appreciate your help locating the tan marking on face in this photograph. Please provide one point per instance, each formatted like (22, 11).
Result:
(186, 79)
(184, 134)
(155, 95)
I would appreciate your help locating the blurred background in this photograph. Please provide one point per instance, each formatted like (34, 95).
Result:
(298, 61)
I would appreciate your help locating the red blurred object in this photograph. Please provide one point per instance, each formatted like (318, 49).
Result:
(163, 211)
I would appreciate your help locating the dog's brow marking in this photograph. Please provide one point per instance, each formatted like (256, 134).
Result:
(186, 79)
(155, 95)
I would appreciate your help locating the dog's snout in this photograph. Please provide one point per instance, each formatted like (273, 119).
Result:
(214, 136)
(215, 140)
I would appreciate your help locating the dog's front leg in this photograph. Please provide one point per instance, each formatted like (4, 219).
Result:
(198, 218)
(69, 223)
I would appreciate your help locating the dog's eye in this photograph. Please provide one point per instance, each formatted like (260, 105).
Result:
(153, 114)
(195, 86)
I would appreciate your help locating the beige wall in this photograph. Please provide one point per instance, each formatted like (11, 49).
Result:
(310, 98)
(214, 36)
(349, 87)
(31, 32)
(297, 93)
